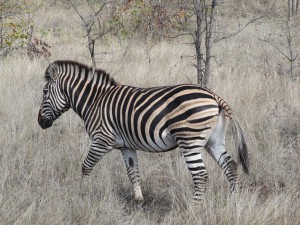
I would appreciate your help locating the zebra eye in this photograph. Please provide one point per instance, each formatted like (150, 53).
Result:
(45, 91)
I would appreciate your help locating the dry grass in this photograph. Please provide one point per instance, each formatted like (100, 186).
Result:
(41, 170)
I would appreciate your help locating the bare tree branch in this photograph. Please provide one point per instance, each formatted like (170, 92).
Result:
(81, 17)
(275, 47)
(93, 34)
(181, 34)
(253, 20)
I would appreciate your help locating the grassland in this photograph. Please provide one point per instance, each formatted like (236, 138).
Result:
(41, 170)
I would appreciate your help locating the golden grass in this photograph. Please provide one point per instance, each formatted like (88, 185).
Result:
(41, 170)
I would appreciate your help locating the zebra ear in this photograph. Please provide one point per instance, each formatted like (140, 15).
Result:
(50, 72)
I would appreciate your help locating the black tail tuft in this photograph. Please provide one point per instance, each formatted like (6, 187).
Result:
(241, 145)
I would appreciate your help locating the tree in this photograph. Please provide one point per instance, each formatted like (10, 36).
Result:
(286, 43)
(201, 32)
(199, 22)
(293, 6)
(95, 28)
(13, 30)
(16, 29)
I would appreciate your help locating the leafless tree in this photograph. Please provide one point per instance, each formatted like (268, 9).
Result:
(95, 28)
(293, 6)
(204, 15)
(285, 43)
(204, 32)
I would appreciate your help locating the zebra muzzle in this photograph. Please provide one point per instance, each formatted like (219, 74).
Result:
(44, 122)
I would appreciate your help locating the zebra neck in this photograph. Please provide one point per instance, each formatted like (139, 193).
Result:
(86, 93)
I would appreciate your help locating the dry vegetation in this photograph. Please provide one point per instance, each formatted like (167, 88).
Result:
(41, 170)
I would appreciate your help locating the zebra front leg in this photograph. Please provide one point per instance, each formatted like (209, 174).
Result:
(131, 162)
(196, 167)
(96, 152)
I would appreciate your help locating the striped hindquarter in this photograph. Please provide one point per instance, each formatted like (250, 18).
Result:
(150, 119)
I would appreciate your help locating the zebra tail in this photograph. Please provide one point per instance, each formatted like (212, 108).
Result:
(240, 144)
(238, 134)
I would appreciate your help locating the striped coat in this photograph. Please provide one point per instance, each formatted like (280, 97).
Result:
(154, 119)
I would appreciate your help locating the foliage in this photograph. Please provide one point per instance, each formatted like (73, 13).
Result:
(16, 28)
(13, 28)
(38, 48)
(141, 20)
(15, 32)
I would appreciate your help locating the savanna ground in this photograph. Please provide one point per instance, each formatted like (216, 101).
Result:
(41, 169)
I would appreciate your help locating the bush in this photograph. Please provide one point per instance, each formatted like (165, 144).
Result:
(16, 29)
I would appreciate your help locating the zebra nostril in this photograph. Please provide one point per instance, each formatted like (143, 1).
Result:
(44, 122)
(47, 123)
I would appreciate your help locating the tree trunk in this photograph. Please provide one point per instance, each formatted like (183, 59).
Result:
(209, 19)
(1, 35)
(205, 15)
(290, 9)
(293, 8)
(198, 7)
(91, 45)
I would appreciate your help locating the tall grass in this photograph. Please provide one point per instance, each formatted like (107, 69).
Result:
(41, 169)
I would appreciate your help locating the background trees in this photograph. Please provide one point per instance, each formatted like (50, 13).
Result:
(150, 22)
(196, 22)
(150, 43)
(17, 29)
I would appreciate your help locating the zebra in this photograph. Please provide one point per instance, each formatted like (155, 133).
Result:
(155, 119)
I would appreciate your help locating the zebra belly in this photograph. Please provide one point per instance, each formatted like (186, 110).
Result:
(163, 144)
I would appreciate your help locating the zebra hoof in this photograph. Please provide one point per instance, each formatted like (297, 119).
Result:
(197, 200)
(139, 199)
(138, 196)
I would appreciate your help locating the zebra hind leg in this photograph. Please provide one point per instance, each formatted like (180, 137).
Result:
(131, 162)
(227, 164)
(215, 146)
(199, 174)
(191, 144)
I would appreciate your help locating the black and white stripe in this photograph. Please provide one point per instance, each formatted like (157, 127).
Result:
(154, 119)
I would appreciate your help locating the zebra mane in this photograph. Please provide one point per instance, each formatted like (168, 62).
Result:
(52, 69)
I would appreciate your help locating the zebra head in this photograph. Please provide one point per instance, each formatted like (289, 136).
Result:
(54, 101)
